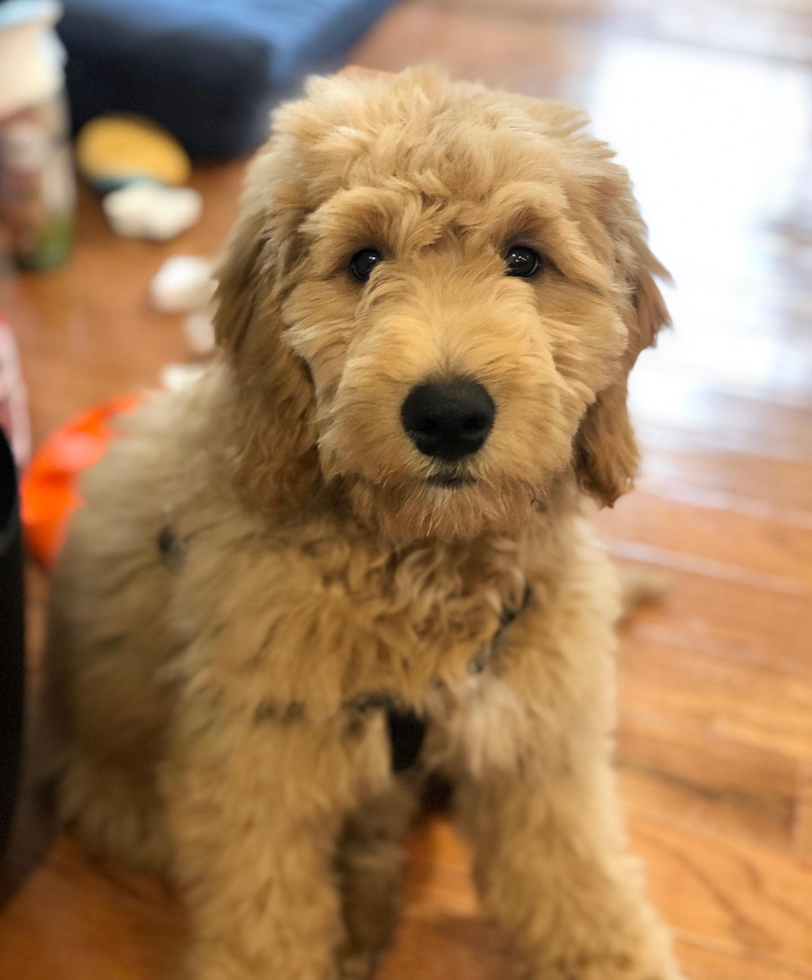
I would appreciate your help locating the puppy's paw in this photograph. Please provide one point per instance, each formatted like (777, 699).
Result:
(356, 965)
(610, 968)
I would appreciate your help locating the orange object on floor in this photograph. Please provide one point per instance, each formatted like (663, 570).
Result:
(48, 489)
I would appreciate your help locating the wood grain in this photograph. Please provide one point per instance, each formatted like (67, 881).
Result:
(709, 689)
(670, 770)
(717, 528)
(710, 106)
(730, 893)
(803, 817)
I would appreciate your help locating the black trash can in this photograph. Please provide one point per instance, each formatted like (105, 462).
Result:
(12, 647)
(25, 811)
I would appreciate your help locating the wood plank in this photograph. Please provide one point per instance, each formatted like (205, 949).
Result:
(684, 773)
(773, 29)
(756, 704)
(434, 946)
(441, 945)
(438, 877)
(719, 608)
(803, 822)
(729, 893)
(545, 59)
(703, 962)
(678, 462)
(75, 919)
(774, 546)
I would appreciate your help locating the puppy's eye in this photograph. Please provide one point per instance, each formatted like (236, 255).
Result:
(522, 261)
(363, 262)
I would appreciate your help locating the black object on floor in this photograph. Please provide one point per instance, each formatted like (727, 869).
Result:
(26, 812)
(12, 646)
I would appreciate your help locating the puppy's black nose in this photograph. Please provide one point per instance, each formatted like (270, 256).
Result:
(448, 419)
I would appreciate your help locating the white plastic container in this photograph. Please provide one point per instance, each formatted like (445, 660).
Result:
(37, 186)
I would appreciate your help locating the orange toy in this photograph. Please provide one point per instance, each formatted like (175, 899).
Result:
(48, 487)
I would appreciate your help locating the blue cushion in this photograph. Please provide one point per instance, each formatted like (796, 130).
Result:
(208, 70)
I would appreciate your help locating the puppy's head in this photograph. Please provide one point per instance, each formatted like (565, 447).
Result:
(431, 302)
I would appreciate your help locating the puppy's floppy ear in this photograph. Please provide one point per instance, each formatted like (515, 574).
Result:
(272, 404)
(606, 454)
(237, 275)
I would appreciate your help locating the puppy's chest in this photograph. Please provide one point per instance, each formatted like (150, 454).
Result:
(433, 620)
(465, 714)
(341, 624)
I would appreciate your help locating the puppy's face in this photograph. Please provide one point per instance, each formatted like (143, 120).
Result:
(451, 274)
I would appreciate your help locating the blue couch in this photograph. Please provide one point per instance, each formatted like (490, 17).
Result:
(208, 70)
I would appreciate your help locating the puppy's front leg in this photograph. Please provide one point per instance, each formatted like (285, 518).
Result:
(256, 801)
(552, 866)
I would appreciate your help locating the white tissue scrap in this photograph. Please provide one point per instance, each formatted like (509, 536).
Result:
(144, 210)
(183, 284)
(198, 328)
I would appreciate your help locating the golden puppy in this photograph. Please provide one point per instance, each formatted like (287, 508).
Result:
(353, 553)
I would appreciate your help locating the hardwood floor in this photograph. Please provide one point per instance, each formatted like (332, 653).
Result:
(710, 105)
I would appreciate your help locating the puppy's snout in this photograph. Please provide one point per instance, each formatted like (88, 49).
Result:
(448, 419)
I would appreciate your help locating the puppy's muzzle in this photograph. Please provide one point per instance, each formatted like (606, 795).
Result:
(448, 419)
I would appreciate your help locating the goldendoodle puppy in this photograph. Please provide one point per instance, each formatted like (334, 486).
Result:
(354, 552)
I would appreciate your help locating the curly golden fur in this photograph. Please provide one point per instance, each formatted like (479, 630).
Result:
(266, 561)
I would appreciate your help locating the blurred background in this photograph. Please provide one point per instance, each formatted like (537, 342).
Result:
(709, 104)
